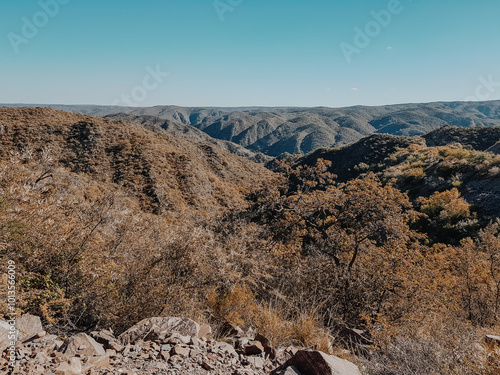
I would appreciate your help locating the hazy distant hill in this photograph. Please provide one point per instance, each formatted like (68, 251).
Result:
(274, 131)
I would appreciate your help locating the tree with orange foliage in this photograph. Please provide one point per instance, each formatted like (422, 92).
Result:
(361, 225)
(306, 207)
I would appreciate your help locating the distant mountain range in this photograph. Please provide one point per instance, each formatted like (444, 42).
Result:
(274, 131)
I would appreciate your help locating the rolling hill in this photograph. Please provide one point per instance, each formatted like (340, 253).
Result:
(273, 131)
(161, 171)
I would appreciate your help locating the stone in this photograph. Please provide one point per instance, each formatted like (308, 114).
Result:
(96, 362)
(29, 326)
(268, 349)
(351, 337)
(291, 371)
(5, 341)
(72, 367)
(205, 331)
(253, 348)
(41, 358)
(115, 345)
(318, 363)
(165, 355)
(63, 369)
(58, 344)
(181, 351)
(492, 340)
(75, 365)
(211, 357)
(82, 344)
(154, 328)
(195, 341)
(256, 362)
(225, 347)
(176, 359)
(103, 337)
(41, 334)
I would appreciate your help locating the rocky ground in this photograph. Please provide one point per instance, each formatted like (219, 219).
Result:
(167, 346)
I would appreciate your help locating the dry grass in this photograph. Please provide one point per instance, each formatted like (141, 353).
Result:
(434, 346)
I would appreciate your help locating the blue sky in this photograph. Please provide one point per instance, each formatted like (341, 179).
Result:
(248, 52)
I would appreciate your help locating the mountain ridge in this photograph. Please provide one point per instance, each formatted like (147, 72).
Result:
(276, 130)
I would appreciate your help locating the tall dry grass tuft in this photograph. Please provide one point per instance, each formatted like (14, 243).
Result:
(437, 345)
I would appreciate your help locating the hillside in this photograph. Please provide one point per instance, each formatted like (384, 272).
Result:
(164, 172)
(478, 138)
(274, 131)
(190, 133)
(350, 161)
(440, 160)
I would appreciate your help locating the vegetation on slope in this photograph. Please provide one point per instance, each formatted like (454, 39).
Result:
(163, 172)
(296, 257)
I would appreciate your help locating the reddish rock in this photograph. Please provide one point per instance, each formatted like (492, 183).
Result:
(253, 348)
(318, 363)
(268, 349)
(5, 332)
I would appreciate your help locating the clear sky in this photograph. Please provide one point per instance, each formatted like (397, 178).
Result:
(248, 52)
